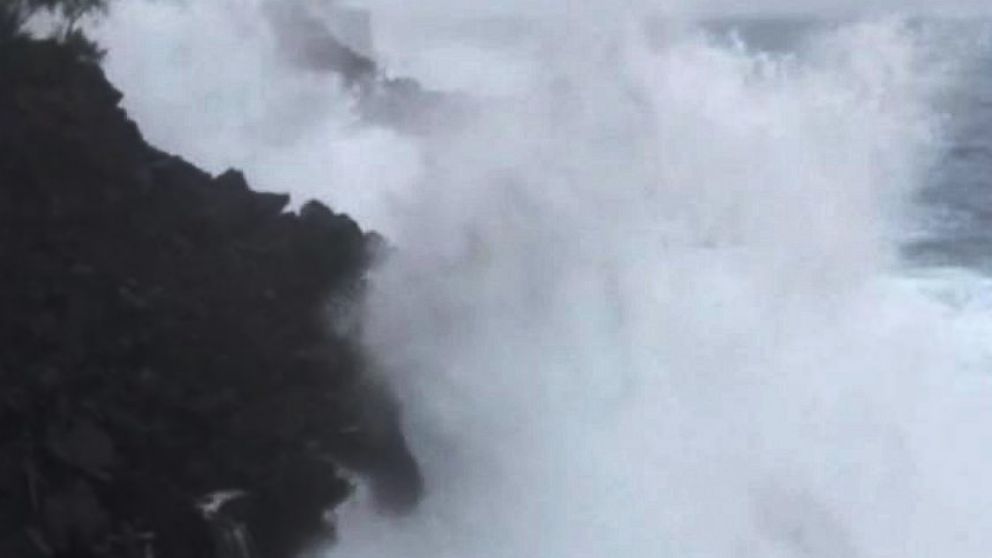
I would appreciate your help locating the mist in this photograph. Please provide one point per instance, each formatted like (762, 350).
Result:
(657, 311)
(213, 82)
(648, 300)
(452, 9)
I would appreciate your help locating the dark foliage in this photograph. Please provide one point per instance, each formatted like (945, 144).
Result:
(162, 338)
(15, 13)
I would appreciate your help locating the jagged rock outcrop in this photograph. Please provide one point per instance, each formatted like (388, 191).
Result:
(395, 102)
(163, 337)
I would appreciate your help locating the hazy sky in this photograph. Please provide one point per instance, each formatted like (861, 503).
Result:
(468, 8)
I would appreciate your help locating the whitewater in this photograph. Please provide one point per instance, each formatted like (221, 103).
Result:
(653, 298)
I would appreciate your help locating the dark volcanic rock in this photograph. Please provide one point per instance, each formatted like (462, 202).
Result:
(162, 339)
(399, 103)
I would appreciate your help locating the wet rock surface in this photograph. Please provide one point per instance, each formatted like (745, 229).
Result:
(163, 337)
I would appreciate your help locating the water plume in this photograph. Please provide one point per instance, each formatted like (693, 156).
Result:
(653, 307)
(649, 302)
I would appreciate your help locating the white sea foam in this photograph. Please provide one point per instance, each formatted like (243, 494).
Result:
(648, 302)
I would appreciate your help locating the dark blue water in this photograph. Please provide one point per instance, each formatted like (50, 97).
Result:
(957, 201)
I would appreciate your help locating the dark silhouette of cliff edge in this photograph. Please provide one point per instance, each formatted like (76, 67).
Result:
(164, 337)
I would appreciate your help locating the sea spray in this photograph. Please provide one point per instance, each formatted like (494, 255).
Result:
(650, 303)
(653, 308)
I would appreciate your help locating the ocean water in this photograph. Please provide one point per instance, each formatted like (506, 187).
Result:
(680, 288)
(958, 196)
(954, 205)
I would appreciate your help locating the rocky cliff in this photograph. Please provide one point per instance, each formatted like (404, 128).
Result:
(164, 336)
